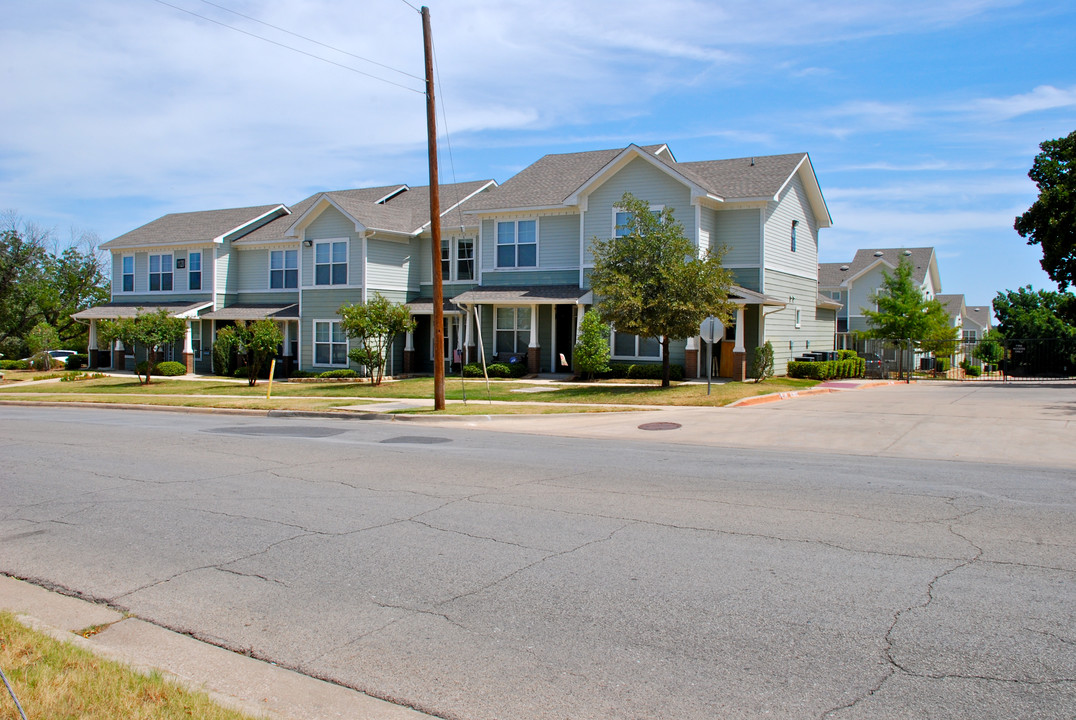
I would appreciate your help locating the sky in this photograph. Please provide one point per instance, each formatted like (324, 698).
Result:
(921, 117)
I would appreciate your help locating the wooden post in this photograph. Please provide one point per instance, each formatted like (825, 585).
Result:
(435, 223)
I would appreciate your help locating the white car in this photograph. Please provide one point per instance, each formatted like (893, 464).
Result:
(60, 355)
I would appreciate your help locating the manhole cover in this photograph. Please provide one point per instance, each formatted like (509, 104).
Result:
(660, 426)
(278, 431)
(416, 440)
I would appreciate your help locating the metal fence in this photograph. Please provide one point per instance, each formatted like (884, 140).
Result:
(1010, 359)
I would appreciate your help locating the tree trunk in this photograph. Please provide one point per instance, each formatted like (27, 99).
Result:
(665, 361)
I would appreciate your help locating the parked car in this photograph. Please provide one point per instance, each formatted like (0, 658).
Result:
(60, 355)
(875, 367)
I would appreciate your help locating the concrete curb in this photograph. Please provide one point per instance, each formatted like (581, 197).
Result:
(776, 397)
(253, 686)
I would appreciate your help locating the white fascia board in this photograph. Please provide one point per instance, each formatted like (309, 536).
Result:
(456, 205)
(193, 312)
(315, 209)
(814, 191)
(130, 249)
(274, 211)
(870, 267)
(628, 154)
(392, 194)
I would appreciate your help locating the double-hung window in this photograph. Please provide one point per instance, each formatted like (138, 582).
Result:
(283, 269)
(194, 271)
(330, 343)
(626, 345)
(622, 220)
(465, 259)
(446, 259)
(513, 332)
(160, 273)
(330, 263)
(128, 273)
(517, 243)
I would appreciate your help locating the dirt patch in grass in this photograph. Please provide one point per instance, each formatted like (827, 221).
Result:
(59, 681)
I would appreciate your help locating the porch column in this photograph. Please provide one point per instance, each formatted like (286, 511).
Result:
(739, 352)
(691, 358)
(409, 352)
(579, 312)
(534, 353)
(91, 346)
(188, 348)
(117, 356)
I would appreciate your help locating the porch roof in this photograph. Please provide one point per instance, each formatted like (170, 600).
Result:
(424, 306)
(255, 311)
(526, 295)
(116, 310)
(743, 296)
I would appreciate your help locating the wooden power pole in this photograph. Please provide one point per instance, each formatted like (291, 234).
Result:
(435, 224)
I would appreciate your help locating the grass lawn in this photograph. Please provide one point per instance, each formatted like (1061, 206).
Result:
(59, 681)
(307, 395)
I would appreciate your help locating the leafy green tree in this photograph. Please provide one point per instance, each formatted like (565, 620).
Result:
(1025, 313)
(151, 330)
(1051, 220)
(224, 346)
(762, 362)
(375, 324)
(905, 314)
(43, 337)
(591, 352)
(990, 350)
(260, 339)
(942, 338)
(652, 282)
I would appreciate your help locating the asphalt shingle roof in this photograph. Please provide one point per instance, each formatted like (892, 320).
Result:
(919, 258)
(189, 227)
(953, 304)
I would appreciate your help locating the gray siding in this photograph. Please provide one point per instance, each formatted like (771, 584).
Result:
(558, 242)
(253, 267)
(533, 277)
(332, 225)
(387, 264)
(645, 182)
(180, 278)
(792, 205)
(738, 231)
(816, 328)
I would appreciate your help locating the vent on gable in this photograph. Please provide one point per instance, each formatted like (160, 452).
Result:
(878, 253)
(844, 267)
(906, 253)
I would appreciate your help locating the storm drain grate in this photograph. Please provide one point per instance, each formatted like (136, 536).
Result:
(660, 426)
(416, 440)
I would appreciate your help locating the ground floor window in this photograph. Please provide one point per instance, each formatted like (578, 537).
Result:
(513, 332)
(330, 343)
(625, 345)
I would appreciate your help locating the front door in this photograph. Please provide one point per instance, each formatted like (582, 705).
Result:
(564, 337)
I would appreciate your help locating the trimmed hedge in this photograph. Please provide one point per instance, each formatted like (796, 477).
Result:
(942, 364)
(853, 367)
(341, 373)
(75, 362)
(495, 370)
(170, 368)
(14, 365)
(640, 371)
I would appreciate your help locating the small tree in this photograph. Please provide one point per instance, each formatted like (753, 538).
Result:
(591, 353)
(652, 282)
(990, 350)
(224, 346)
(941, 337)
(41, 338)
(151, 330)
(904, 313)
(260, 340)
(762, 362)
(375, 324)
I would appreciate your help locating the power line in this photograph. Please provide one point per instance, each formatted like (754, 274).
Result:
(311, 40)
(448, 140)
(410, 5)
(289, 47)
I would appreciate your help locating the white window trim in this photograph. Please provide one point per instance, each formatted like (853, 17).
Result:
(799, 317)
(314, 263)
(201, 271)
(149, 272)
(298, 270)
(515, 234)
(455, 251)
(515, 328)
(132, 273)
(612, 231)
(314, 347)
(636, 356)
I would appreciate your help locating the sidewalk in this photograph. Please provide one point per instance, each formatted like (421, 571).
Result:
(258, 688)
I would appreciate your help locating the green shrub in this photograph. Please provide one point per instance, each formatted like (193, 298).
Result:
(170, 368)
(973, 370)
(302, 374)
(762, 362)
(517, 370)
(14, 365)
(224, 347)
(942, 364)
(498, 370)
(74, 362)
(640, 371)
(847, 354)
(472, 370)
(828, 370)
(341, 373)
(241, 372)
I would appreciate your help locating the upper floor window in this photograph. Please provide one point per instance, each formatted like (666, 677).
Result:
(625, 345)
(330, 263)
(517, 243)
(446, 259)
(969, 336)
(622, 220)
(160, 273)
(794, 224)
(128, 273)
(465, 259)
(194, 271)
(283, 269)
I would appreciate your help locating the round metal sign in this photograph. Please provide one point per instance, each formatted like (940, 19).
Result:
(711, 330)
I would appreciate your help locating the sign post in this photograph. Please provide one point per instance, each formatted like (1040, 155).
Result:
(711, 329)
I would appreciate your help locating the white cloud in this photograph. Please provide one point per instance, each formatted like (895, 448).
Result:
(1043, 97)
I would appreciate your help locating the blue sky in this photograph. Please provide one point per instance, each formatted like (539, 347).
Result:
(921, 118)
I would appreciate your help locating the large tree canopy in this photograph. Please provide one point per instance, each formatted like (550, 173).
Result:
(1051, 220)
(650, 280)
(1025, 314)
(41, 284)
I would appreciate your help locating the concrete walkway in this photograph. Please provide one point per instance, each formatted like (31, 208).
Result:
(257, 688)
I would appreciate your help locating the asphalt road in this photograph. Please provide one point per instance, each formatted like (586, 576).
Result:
(482, 575)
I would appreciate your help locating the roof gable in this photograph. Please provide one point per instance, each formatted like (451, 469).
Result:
(206, 226)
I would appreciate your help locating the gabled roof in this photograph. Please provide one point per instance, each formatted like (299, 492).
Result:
(193, 227)
(395, 209)
(831, 275)
(981, 315)
(558, 180)
(953, 304)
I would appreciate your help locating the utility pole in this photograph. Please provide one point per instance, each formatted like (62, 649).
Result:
(435, 224)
